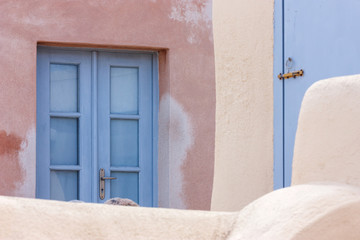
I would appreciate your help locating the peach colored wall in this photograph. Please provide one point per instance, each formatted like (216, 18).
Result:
(181, 29)
(243, 40)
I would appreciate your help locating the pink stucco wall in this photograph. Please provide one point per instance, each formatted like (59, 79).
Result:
(181, 30)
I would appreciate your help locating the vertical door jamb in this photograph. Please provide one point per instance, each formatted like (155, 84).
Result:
(42, 166)
(279, 89)
(155, 86)
(94, 143)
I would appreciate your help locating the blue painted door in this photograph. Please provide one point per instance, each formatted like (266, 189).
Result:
(322, 38)
(96, 111)
(125, 124)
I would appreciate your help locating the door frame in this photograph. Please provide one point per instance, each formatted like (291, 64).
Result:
(94, 105)
(278, 90)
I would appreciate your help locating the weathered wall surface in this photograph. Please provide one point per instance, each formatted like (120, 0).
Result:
(181, 29)
(243, 41)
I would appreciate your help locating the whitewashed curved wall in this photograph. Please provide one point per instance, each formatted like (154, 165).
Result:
(243, 41)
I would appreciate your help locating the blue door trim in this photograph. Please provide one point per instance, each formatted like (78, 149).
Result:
(155, 71)
(94, 123)
(278, 95)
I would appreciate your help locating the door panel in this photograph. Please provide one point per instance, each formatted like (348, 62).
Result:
(63, 125)
(125, 128)
(321, 38)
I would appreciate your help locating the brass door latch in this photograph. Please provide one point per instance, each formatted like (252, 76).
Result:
(102, 179)
(291, 74)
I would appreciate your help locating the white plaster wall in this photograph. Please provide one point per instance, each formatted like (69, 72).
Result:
(327, 145)
(303, 212)
(243, 41)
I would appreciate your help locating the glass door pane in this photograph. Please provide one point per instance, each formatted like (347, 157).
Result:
(124, 90)
(124, 143)
(64, 141)
(63, 87)
(125, 185)
(64, 185)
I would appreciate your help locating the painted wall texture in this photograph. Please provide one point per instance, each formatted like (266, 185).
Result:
(181, 30)
(243, 41)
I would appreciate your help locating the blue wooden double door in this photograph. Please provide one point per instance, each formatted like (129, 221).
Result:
(96, 118)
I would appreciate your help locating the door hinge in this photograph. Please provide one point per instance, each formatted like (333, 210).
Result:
(291, 74)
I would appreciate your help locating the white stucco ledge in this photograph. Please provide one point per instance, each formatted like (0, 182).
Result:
(317, 211)
(22, 218)
(302, 212)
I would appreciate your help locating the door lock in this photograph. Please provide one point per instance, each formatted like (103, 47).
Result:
(102, 183)
(291, 74)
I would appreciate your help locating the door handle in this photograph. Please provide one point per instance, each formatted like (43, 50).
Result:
(291, 74)
(102, 183)
(108, 178)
